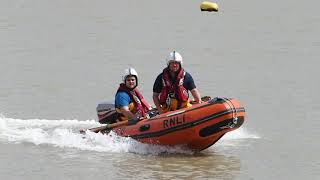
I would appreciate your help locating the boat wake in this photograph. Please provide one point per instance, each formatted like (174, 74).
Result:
(65, 134)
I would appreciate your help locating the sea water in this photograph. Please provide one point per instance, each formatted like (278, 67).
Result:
(59, 59)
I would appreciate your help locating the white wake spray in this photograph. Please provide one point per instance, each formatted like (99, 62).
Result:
(65, 134)
(240, 133)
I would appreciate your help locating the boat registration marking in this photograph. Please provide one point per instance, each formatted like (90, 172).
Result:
(174, 121)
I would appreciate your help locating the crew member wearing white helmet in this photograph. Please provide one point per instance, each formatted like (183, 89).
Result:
(129, 102)
(172, 86)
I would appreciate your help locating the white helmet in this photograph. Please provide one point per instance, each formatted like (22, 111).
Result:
(174, 56)
(129, 72)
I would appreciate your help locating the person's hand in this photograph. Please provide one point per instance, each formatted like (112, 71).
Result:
(196, 102)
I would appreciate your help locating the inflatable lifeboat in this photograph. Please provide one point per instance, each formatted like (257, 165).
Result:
(198, 127)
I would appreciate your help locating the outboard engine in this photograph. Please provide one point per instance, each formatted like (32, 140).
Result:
(106, 113)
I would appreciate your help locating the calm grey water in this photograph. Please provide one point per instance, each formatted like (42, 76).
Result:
(58, 59)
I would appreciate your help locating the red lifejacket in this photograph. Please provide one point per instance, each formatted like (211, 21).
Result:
(141, 106)
(180, 92)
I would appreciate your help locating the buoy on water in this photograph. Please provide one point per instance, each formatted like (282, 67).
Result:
(209, 6)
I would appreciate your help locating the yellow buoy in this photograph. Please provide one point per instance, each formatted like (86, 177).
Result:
(209, 6)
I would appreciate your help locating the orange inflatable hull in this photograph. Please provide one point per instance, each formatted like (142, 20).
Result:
(197, 127)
